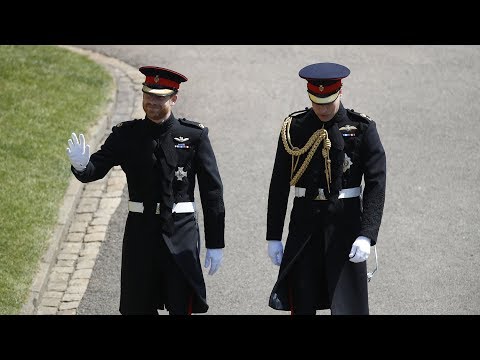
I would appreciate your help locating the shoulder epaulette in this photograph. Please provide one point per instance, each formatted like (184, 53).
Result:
(299, 112)
(127, 123)
(362, 116)
(191, 123)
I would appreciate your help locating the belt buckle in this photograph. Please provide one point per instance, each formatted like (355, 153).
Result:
(321, 195)
(150, 207)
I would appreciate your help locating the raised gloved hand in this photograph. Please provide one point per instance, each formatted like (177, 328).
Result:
(360, 249)
(275, 251)
(213, 258)
(78, 152)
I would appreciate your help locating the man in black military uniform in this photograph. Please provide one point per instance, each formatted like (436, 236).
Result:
(324, 152)
(161, 156)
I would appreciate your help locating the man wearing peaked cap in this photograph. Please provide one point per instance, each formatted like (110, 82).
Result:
(160, 81)
(162, 157)
(324, 81)
(324, 153)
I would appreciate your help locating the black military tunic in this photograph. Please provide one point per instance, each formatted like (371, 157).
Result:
(160, 256)
(315, 272)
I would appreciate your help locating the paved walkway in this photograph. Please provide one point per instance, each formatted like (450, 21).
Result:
(67, 265)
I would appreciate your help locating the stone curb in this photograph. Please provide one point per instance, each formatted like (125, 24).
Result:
(73, 195)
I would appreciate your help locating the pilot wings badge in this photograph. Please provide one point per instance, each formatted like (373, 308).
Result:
(181, 139)
(348, 130)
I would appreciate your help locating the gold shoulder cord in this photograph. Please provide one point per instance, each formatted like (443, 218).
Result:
(312, 144)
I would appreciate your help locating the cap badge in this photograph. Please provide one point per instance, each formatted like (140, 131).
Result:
(156, 79)
(180, 174)
(321, 88)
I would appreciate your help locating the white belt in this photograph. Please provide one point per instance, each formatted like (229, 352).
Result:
(344, 193)
(181, 207)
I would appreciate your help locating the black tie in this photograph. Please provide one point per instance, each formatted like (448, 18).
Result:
(166, 190)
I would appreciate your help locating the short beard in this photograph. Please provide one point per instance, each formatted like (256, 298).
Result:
(158, 115)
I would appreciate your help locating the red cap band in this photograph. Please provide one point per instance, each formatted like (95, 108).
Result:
(325, 89)
(156, 80)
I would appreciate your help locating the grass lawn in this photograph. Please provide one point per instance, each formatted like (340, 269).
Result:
(46, 92)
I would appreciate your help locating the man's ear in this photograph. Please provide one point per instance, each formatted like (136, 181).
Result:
(173, 99)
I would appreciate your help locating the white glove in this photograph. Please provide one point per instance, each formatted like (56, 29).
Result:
(275, 251)
(78, 153)
(360, 249)
(213, 258)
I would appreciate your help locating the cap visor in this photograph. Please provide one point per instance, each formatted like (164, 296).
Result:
(158, 92)
(324, 100)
